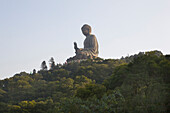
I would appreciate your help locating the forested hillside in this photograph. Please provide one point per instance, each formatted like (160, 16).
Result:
(134, 84)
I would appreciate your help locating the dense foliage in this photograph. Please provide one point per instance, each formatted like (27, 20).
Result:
(135, 84)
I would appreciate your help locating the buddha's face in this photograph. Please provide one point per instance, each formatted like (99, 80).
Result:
(85, 31)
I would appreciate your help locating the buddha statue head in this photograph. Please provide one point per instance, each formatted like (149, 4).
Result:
(86, 29)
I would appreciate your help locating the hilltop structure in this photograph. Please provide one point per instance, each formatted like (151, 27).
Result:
(90, 50)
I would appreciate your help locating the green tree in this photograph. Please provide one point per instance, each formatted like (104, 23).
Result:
(34, 71)
(52, 63)
(43, 66)
(91, 90)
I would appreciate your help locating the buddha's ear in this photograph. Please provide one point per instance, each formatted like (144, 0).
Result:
(89, 31)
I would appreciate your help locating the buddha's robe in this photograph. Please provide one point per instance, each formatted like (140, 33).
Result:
(90, 46)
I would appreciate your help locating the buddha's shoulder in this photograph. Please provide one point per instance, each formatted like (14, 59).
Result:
(92, 36)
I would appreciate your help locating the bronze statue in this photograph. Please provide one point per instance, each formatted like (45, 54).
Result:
(90, 49)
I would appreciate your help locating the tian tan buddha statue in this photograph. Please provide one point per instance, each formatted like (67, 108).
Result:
(90, 49)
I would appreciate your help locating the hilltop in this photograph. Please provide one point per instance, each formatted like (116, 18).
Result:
(137, 83)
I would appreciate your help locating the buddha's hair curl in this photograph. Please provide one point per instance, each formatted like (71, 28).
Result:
(87, 27)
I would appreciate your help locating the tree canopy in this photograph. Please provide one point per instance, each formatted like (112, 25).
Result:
(138, 83)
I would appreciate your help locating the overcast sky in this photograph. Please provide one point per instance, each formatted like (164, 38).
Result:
(35, 30)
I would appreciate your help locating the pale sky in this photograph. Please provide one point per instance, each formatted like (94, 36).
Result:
(35, 30)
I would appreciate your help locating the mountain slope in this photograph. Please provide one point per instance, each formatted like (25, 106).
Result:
(138, 83)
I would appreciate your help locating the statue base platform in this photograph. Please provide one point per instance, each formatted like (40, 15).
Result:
(79, 58)
(76, 61)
